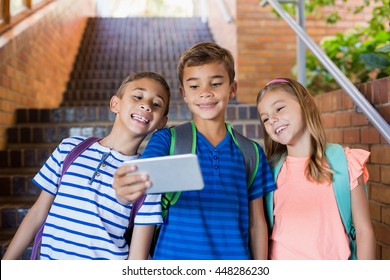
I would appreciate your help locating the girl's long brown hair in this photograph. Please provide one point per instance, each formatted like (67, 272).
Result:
(317, 168)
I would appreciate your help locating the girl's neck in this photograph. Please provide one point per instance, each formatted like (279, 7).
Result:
(298, 152)
(301, 148)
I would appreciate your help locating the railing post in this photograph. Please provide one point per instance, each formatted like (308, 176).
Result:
(301, 48)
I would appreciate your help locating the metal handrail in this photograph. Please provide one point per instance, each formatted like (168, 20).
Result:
(370, 112)
(222, 6)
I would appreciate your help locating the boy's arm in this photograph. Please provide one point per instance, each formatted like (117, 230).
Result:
(140, 242)
(365, 237)
(258, 231)
(130, 187)
(29, 226)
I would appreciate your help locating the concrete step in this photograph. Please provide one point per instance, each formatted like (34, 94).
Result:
(13, 212)
(24, 157)
(18, 185)
(98, 112)
(121, 73)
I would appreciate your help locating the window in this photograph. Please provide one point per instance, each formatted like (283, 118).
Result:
(13, 11)
(1, 11)
(18, 6)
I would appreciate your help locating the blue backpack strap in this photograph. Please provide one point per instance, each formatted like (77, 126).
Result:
(338, 163)
(269, 197)
(341, 187)
(250, 153)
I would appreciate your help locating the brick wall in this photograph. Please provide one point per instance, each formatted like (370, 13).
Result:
(224, 33)
(265, 45)
(345, 125)
(37, 56)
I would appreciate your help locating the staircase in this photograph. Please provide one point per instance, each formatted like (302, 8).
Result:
(110, 50)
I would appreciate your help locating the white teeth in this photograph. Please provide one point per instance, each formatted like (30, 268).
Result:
(279, 129)
(142, 119)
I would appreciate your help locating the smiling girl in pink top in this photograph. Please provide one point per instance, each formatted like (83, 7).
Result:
(307, 223)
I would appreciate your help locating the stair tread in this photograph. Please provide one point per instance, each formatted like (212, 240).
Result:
(24, 202)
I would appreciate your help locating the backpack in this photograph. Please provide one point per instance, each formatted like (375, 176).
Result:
(73, 154)
(183, 141)
(341, 187)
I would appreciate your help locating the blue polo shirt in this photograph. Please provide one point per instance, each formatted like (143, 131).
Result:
(212, 223)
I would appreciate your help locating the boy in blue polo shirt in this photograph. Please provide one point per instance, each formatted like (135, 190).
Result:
(225, 220)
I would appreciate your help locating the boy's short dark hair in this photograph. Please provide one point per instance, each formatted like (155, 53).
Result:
(204, 53)
(150, 75)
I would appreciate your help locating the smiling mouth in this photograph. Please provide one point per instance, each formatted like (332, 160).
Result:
(280, 129)
(140, 118)
(207, 105)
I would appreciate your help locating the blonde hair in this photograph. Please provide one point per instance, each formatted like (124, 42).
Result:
(317, 168)
(150, 75)
(204, 53)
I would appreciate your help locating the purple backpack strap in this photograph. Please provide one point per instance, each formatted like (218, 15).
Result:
(134, 210)
(73, 154)
(76, 151)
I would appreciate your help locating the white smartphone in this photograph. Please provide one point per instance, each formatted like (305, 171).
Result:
(171, 173)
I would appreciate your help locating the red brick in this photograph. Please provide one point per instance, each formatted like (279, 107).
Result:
(385, 174)
(331, 101)
(329, 120)
(385, 113)
(379, 193)
(369, 135)
(375, 211)
(347, 102)
(380, 154)
(374, 172)
(382, 233)
(334, 135)
(359, 119)
(38, 61)
(351, 136)
(381, 91)
(386, 215)
(343, 119)
(385, 253)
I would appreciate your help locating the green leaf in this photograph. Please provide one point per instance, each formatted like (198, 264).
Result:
(384, 49)
(374, 61)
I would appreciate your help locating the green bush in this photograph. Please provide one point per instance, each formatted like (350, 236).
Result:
(362, 54)
(360, 58)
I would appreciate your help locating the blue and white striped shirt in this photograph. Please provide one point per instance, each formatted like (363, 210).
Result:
(86, 221)
(212, 223)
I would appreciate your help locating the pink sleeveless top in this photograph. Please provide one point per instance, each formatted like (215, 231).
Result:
(307, 221)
